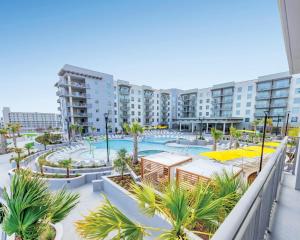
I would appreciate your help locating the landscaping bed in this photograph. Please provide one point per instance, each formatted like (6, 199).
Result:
(125, 183)
(136, 168)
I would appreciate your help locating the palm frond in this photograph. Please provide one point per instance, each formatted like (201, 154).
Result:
(62, 203)
(109, 221)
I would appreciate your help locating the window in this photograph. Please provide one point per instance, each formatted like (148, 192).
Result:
(250, 88)
(132, 105)
(200, 107)
(139, 113)
(247, 112)
(297, 91)
(294, 119)
(201, 95)
(239, 97)
(201, 101)
(132, 91)
(200, 114)
(139, 106)
(132, 98)
(139, 100)
(249, 96)
(207, 107)
(116, 120)
(132, 112)
(247, 119)
(97, 119)
(207, 113)
(238, 112)
(297, 100)
(240, 89)
(298, 81)
(207, 100)
(238, 105)
(248, 104)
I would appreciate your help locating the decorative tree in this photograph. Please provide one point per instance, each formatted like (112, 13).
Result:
(134, 129)
(67, 164)
(217, 135)
(121, 162)
(28, 147)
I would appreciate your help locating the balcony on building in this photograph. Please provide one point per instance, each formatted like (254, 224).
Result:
(264, 86)
(263, 95)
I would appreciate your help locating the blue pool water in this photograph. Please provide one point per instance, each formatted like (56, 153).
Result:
(145, 146)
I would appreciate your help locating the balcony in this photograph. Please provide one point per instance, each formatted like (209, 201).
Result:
(264, 212)
(81, 115)
(282, 95)
(261, 97)
(278, 105)
(262, 106)
(124, 100)
(77, 105)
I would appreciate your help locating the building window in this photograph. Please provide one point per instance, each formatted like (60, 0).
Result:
(238, 105)
(207, 113)
(239, 97)
(207, 100)
(238, 112)
(200, 107)
(97, 119)
(297, 90)
(248, 104)
(132, 112)
(240, 89)
(294, 119)
(200, 114)
(132, 91)
(139, 100)
(201, 101)
(249, 96)
(247, 112)
(296, 100)
(250, 88)
(247, 119)
(132, 105)
(132, 98)
(207, 107)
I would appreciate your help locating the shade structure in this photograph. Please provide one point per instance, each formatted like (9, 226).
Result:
(197, 171)
(159, 169)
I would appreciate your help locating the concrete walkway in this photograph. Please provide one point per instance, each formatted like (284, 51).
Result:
(285, 223)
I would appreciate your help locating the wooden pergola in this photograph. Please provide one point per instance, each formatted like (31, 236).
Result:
(159, 169)
(201, 171)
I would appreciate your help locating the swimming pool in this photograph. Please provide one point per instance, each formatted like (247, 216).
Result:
(145, 146)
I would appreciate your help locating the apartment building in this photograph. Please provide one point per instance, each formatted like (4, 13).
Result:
(85, 95)
(31, 121)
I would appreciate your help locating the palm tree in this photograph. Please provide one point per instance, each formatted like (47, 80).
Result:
(74, 128)
(42, 161)
(30, 206)
(80, 130)
(255, 123)
(270, 124)
(67, 164)
(15, 129)
(44, 139)
(232, 132)
(121, 161)
(134, 129)
(18, 158)
(217, 135)
(108, 219)
(237, 136)
(3, 142)
(184, 208)
(28, 147)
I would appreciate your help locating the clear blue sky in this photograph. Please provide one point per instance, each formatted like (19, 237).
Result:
(162, 43)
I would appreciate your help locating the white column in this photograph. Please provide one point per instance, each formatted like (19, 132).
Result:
(192, 127)
(224, 128)
(180, 126)
(206, 127)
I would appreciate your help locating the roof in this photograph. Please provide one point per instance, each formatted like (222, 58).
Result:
(208, 168)
(82, 72)
(167, 159)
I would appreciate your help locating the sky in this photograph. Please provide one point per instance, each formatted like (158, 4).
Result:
(161, 43)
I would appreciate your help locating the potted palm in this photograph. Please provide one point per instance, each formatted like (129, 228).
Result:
(30, 208)
(18, 158)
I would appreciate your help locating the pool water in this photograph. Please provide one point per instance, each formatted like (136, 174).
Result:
(146, 146)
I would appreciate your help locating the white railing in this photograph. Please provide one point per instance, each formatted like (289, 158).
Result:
(249, 219)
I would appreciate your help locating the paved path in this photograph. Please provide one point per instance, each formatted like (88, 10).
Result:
(5, 166)
(286, 219)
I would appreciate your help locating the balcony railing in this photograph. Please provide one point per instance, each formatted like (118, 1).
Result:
(282, 95)
(250, 218)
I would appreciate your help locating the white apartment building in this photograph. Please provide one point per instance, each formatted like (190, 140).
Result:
(31, 121)
(85, 95)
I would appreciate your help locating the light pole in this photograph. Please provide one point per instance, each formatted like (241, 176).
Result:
(287, 123)
(201, 127)
(68, 128)
(263, 141)
(106, 132)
